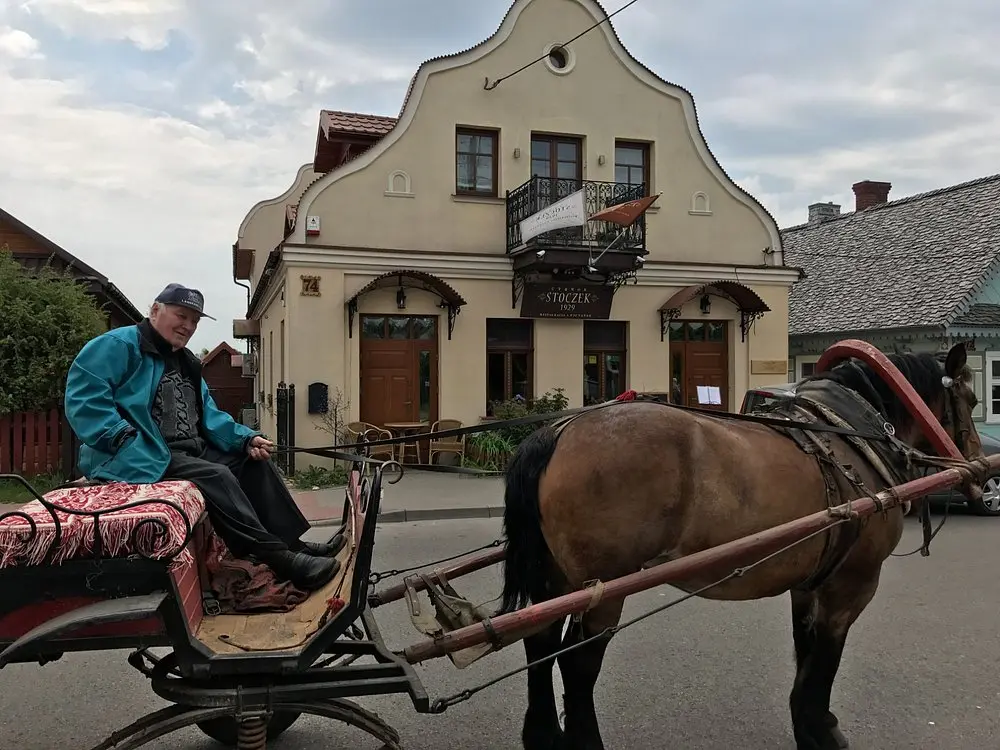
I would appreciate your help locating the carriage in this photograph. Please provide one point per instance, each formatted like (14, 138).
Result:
(90, 567)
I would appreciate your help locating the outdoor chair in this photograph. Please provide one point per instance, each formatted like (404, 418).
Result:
(449, 444)
(358, 431)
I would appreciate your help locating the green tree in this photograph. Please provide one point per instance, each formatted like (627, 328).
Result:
(45, 319)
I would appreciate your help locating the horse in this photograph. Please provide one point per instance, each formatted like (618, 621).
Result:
(610, 491)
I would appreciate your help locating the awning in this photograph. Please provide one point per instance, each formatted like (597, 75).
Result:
(409, 279)
(747, 301)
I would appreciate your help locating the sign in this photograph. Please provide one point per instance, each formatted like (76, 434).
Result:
(568, 212)
(768, 366)
(557, 300)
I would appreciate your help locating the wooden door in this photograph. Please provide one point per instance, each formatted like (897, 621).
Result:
(398, 369)
(699, 355)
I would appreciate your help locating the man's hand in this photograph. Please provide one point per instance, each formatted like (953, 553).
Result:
(260, 448)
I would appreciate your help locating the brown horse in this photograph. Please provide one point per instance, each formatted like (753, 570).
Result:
(609, 491)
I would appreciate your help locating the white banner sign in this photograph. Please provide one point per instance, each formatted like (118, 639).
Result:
(568, 212)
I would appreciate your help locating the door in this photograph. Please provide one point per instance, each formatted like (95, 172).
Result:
(699, 356)
(398, 368)
(559, 157)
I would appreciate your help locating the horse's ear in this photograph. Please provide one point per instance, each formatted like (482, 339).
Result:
(956, 361)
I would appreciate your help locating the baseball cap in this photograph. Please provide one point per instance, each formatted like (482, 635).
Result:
(178, 294)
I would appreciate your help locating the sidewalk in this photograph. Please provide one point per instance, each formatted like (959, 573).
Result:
(418, 496)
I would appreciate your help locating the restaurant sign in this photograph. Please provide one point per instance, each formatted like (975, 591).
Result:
(557, 300)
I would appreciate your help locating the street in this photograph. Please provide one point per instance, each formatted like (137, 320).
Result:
(920, 670)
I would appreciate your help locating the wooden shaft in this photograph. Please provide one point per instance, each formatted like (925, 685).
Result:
(724, 557)
(469, 565)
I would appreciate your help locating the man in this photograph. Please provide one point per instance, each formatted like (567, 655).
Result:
(136, 399)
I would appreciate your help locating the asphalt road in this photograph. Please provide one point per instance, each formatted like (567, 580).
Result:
(921, 670)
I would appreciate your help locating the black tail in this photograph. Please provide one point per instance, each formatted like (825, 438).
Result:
(526, 560)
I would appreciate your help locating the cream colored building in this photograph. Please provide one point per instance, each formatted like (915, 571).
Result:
(392, 269)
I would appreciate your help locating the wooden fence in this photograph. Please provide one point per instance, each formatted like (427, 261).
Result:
(33, 443)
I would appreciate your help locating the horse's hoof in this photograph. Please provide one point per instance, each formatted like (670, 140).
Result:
(824, 735)
(542, 739)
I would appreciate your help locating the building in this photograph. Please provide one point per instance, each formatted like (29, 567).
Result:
(915, 274)
(222, 369)
(33, 250)
(393, 271)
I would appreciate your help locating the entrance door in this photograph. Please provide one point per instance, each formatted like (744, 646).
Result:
(398, 368)
(699, 356)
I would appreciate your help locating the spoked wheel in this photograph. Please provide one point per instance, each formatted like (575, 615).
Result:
(226, 730)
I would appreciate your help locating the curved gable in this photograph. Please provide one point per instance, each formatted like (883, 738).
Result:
(286, 197)
(482, 50)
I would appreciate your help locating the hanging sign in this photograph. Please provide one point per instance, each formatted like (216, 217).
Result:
(558, 300)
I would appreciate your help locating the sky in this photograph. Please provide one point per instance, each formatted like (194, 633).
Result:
(138, 133)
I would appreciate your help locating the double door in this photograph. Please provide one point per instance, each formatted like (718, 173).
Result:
(398, 369)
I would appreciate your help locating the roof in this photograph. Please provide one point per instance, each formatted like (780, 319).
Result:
(222, 347)
(86, 273)
(355, 122)
(916, 262)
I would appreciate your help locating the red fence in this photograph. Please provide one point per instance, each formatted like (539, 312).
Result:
(33, 443)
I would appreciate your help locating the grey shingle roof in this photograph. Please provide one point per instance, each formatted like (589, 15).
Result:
(979, 315)
(912, 262)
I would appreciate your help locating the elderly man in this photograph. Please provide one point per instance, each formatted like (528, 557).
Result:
(136, 399)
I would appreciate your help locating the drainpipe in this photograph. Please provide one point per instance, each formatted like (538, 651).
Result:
(245, 286)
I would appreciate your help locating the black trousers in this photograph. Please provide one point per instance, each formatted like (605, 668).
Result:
(249, 505)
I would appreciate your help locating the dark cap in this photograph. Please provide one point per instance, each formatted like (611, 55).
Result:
(176, 294)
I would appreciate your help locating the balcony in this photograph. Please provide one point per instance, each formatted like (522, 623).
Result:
(566, 246)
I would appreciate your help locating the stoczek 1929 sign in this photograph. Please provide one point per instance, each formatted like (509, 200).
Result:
(556, 300)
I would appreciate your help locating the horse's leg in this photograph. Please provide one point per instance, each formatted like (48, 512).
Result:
(820, 623)
(580, 669)
(541, 729)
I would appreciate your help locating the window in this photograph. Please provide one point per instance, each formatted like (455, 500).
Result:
(632, 163)
(476, 162)
(603, 360)
(806, 365)
(993, 386)
(508, 360)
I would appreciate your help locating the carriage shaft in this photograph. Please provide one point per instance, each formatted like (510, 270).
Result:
(745, 550)
(469, 565)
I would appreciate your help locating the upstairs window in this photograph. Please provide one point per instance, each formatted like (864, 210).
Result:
(476, 162)
(632, 163)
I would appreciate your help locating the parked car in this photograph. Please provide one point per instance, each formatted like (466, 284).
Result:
(755, 398)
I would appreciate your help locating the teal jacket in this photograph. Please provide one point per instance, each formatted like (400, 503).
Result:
(110, 388)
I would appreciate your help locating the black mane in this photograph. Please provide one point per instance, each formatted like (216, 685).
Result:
(923, 370)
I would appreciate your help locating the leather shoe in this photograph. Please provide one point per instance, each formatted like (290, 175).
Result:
(322, 549)
(305, 571)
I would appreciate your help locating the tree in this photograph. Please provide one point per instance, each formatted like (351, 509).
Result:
(45, 319)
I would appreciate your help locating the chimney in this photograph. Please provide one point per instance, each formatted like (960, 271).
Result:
(820, 212)
(868, 193)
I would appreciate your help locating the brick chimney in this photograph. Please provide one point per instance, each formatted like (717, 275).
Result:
(868, 193)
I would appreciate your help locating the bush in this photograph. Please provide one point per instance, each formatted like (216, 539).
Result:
(319, 477)
(492, 450)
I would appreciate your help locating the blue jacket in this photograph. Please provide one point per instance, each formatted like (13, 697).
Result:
(110, 388)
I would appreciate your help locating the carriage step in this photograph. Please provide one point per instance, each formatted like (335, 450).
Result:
(125, 609)
(451, 611)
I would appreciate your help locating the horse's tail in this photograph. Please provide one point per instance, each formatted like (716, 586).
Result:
(527, 553)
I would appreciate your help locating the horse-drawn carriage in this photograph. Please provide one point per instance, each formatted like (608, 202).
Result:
(601, 503)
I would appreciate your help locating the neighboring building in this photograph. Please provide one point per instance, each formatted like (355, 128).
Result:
(393, 271)
(920, 273)
(33, 251)
(222, 369)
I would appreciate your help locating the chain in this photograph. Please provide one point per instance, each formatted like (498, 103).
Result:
(375, 578)
(442, 704)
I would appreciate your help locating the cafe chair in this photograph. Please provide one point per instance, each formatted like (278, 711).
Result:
(449, 444)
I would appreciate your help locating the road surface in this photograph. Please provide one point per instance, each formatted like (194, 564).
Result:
(920, 671)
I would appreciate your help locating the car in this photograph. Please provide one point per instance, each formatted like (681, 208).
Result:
(766, 396)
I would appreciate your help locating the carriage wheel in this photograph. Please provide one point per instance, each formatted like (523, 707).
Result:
(224, 729)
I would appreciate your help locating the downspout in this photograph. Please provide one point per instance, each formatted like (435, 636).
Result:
(242, 284)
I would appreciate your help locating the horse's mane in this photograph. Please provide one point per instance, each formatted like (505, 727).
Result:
(923, 370)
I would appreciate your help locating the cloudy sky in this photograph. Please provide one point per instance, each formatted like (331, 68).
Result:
(137, 133)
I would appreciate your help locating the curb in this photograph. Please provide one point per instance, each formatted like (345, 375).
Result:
(427, 514)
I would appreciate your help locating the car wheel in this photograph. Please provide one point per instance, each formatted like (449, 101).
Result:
(989, 505)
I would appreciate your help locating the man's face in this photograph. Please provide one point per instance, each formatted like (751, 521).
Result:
(175, 323)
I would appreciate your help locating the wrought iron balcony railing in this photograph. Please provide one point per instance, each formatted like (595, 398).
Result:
(539, 192)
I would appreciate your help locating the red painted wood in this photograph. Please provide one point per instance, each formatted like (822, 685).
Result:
(18, 438)
(15, 624)
(6, 449)
(54, 442)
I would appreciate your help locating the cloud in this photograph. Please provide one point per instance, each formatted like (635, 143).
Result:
(137, 133)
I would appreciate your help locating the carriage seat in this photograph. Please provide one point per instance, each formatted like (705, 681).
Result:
(123, 533)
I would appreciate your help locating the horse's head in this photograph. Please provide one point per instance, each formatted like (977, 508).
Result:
(954, 409)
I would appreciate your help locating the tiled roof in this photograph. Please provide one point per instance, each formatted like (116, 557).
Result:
(913, 262)
(356, 122)
(979, 315)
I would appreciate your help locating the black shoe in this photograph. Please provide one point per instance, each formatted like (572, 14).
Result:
(303, 570)
(322, 549)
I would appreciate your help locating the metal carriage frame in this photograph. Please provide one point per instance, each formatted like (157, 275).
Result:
(245, 699)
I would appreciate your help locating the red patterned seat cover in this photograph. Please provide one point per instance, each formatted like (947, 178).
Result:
(123, 533)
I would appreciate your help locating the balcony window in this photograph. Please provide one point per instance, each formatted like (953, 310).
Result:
(476, 162)
(603, 360)
(632, 163)
(508, 360)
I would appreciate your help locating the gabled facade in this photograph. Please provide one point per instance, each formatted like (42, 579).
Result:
(394, 269)
(920, 273)
(33, 251)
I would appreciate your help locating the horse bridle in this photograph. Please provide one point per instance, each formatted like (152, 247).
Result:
(949, 420)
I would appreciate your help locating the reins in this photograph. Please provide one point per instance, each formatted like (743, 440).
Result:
(328, 451)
